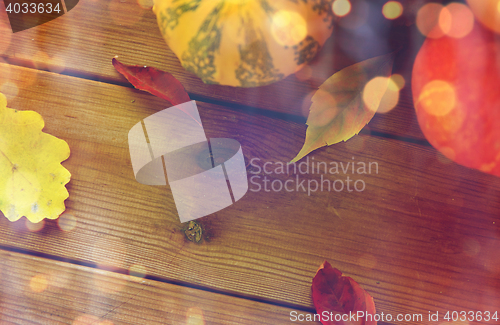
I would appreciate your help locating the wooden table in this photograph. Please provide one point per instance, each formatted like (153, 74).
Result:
(422, 237)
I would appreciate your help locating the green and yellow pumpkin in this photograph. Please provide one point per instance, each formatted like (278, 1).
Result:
(244, 43)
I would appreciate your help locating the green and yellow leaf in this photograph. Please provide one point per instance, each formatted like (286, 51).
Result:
(340, 108)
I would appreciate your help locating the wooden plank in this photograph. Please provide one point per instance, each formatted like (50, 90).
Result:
(422, 236)
(36, 290)
(83, 42)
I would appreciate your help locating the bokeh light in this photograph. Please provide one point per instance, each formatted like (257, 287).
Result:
(445, 155)
(138, 271)
(323, 116)
(398, 80)
(56, 64)
(67, 222)
(288, 27)
(437, 97)
(487, 12)
(109, 253)
(488, 167)
(381, 94)
(86, 320)
(448, 153)
(445, 20)
(39, 283)
(194, 316)
(390, 98)
(456, 20)
(341, 7)
(428, 20)
(10, 90)
(41, 60)
(374, 91)
(392, 9)
(34, 227)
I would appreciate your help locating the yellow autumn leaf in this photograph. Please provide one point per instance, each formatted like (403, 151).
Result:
(340, 108)
(32, 179)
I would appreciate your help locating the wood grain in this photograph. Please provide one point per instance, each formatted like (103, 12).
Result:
(35, 290)
(422, 236)
(83, 42)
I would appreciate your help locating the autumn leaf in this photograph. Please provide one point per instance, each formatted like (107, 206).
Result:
(341, 295)
(32, 179)
(159, 83)
(338, 111)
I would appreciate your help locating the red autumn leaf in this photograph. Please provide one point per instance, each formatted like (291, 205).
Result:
(159, 83)
(334, 294)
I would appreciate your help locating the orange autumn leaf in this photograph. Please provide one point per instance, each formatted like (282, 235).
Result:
(334, 294)
(340, 109)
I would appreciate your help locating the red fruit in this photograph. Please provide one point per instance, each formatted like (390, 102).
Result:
(456, 92)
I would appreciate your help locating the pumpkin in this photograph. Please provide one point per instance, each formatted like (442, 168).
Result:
(455, 92)
(244, 43)
(487, 12)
